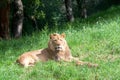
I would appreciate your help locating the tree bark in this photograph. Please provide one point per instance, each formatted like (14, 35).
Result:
(82, 8)
(18, 16)
(4, 19)
(69, 12)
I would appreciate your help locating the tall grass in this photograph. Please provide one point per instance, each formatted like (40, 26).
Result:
(96, 40)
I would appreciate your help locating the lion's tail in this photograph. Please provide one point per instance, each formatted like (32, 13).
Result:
(86, 63)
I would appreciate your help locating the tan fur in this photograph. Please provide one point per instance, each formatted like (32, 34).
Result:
(57, 50)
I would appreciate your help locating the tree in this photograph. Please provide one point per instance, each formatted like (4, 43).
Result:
(69, 12)
(82, 8)
(4, 18)
(18, 16)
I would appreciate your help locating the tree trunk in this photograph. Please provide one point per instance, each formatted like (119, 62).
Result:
(4, 19)
(82, 8)
(69, 12)
(17, 18)
(79, 3)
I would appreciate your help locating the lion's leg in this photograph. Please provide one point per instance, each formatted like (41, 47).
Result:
(28, 62)
(28, 65)
(86, 63)
(78, 62)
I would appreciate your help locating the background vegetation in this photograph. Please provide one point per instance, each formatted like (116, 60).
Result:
(95, 39)
(52, 13)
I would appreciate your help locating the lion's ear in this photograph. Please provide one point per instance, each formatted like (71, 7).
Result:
(63, 35)
(51, 35)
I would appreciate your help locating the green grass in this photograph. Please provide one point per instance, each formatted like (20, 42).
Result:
(96, 40)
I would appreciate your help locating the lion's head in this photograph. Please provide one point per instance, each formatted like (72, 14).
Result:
(57, 42)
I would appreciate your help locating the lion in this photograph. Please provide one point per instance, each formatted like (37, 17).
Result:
(57, 50)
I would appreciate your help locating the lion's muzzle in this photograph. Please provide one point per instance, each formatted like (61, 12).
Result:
(58, 48)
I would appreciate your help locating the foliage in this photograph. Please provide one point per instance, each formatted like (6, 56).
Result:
(52, 12)
(46, 12)
(92, 6)
(31, 10)
(95, 40)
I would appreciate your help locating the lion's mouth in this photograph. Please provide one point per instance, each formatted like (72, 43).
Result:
(58, 48)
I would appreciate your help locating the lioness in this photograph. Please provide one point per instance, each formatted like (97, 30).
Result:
(57, 50)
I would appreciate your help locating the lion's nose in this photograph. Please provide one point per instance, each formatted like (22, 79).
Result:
(58, 47)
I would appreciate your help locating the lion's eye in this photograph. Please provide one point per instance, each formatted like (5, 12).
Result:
(55, 40)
